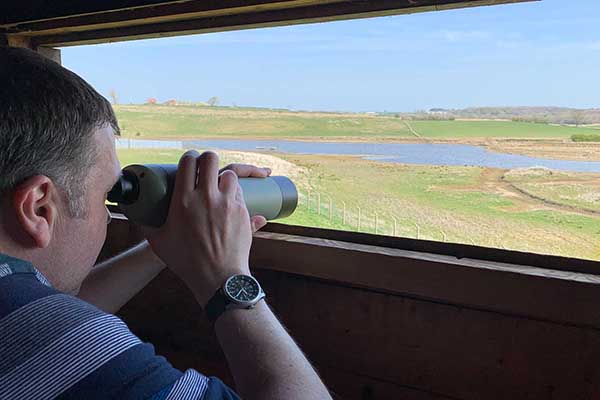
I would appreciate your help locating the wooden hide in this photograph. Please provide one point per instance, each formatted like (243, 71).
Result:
(56, 24)
(377, 343)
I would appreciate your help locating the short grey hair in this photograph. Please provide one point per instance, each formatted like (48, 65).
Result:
(48, 117)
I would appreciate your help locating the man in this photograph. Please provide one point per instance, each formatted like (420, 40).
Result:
(57, 164)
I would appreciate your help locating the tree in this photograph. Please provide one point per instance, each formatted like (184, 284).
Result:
(213, 101)
(578, 118)
(113, 96)
(151, 100)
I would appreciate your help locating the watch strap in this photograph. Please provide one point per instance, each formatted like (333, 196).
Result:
(216, 306)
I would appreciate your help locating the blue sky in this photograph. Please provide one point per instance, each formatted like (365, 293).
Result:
(542, 53)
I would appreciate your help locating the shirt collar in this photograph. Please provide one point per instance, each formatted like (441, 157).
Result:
(11, 265)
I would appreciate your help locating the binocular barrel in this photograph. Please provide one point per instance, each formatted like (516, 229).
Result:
(144, 193)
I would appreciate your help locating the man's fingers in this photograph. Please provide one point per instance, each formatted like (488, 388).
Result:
(208, 173)
(257, 222)
(185, 179)
(246, 170)
(228, 183)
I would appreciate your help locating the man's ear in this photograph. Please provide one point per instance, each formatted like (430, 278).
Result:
(35, 206)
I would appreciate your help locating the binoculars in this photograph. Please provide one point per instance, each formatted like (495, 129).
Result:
(144, 193)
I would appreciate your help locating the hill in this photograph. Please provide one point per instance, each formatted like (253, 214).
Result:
(154, 121)
(553, 115)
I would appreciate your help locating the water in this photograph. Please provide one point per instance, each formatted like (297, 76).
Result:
(423, 153)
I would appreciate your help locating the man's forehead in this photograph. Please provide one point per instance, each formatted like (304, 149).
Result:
(109, 163)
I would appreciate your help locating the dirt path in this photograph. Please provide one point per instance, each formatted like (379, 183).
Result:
(411, 129)
(493, 180)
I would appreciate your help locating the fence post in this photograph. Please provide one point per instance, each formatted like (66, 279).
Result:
(318, 203)
(376, 223)
(344, 213)
(358, 224)
(330, 209)
(395, 225)
(418, 229)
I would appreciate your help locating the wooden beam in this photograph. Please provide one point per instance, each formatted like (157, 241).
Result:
(25, 42)
(538, 293)
(164, 12)
(51, 53)
(216, 20)
(14, 11)
(19, 41)
(456, 250)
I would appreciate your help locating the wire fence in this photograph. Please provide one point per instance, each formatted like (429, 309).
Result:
(362, 218)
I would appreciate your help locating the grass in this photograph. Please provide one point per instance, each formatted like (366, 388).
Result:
(578, 191)
(455, 204)
(495, 129)
(143, 121)
(585, 138)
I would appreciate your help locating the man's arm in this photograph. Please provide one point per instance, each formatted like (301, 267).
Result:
(265, 361)
(112, 283)
(115, 281)
(206, 240)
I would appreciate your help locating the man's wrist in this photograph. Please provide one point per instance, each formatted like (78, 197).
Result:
(238, 315)
(204, 290)
(240, 291)
(149, 254)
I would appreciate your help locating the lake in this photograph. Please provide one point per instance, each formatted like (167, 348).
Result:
(421, 153)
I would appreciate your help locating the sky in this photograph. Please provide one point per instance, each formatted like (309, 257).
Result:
(543, 53)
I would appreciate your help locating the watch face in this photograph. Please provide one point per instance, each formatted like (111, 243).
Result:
(242, 288)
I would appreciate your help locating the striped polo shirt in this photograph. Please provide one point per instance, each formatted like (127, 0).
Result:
(53, 345)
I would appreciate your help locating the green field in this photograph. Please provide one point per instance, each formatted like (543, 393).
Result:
(495, 129)
(455, 204)
(218, 122)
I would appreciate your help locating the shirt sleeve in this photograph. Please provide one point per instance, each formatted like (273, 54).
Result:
(195, 386)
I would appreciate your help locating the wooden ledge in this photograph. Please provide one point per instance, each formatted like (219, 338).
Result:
(564, 297)
(531, 292)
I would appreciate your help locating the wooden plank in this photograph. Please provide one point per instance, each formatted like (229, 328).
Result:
(267, 18)
(51, 53)
(447, 350)
(19, 41)
(451, 249)
(12, 11)
(169, 11)
(560, 296)
(370, 345)
(25, 42)
(538, 293)
(15, 13)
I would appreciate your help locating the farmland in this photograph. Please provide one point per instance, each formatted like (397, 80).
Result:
(168, 122)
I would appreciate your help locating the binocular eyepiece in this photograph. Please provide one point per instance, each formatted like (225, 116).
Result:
(144, 194)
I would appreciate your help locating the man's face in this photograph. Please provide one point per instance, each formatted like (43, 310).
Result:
(79, 240)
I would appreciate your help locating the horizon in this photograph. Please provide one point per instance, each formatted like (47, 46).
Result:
(184, 103)
(516, 55)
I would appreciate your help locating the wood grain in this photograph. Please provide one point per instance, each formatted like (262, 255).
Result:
(191, 17)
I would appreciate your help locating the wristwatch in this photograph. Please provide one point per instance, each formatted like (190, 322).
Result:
(238, 292)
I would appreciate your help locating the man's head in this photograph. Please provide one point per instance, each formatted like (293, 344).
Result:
(57, 162)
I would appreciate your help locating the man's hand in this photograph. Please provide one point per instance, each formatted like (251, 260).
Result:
(250, 171)
(208, 232)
